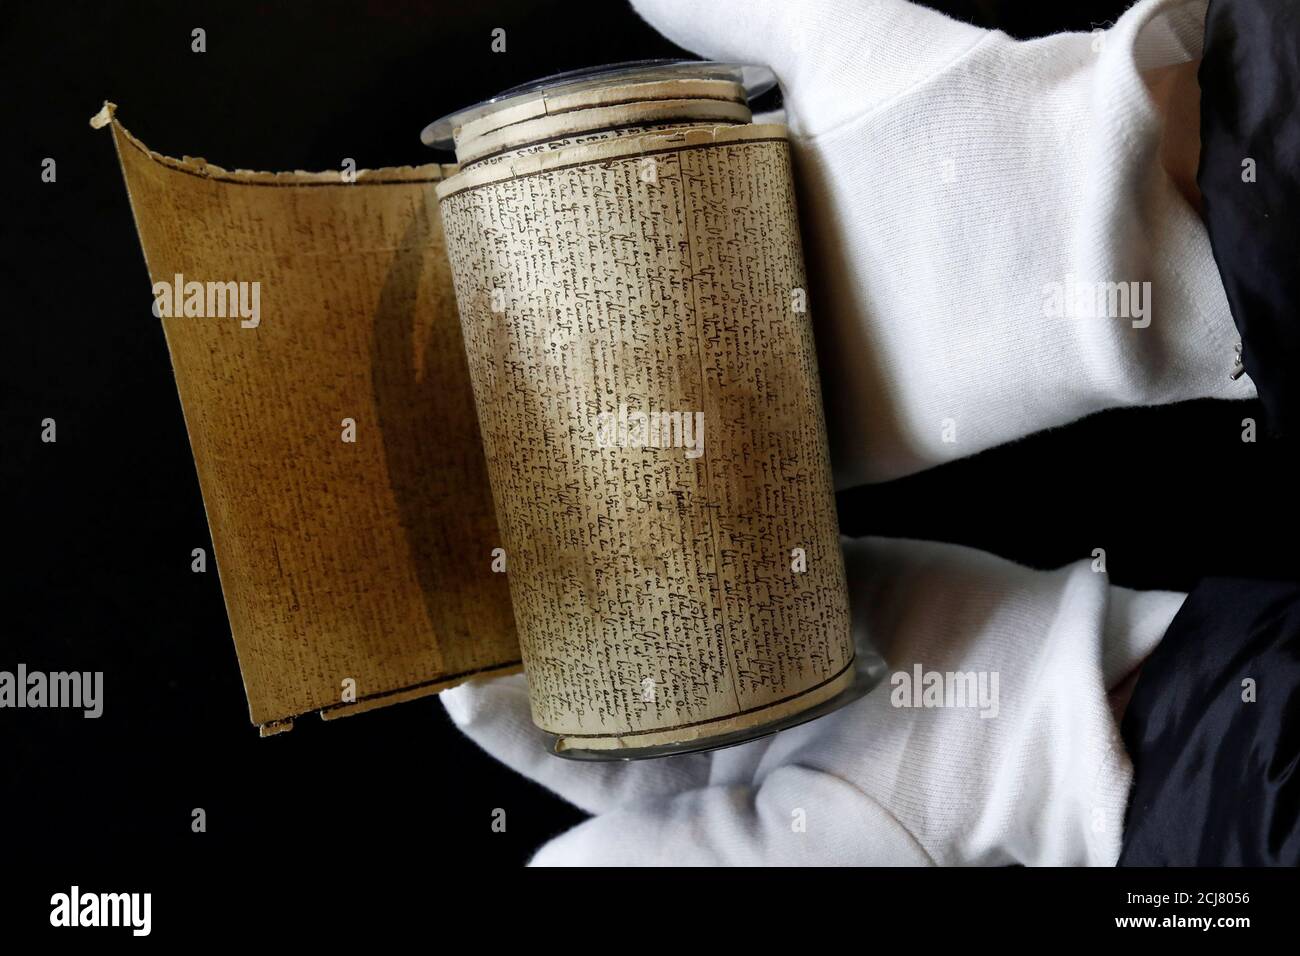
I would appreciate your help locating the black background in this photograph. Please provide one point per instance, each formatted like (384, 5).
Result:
(97, 543)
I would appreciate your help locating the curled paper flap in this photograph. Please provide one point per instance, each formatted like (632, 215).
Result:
(318, 357)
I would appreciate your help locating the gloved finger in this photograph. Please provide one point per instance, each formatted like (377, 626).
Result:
(494, 713)
(797, 817)
(834, 58)
(912, 589)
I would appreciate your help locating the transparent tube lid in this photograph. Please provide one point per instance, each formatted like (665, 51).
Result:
(756, 80)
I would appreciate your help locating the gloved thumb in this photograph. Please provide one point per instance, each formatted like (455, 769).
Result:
(836, 59)
(796, 817)
(494, 713)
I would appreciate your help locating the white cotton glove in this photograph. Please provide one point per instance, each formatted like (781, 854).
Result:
(952, 181)
(1043, 780)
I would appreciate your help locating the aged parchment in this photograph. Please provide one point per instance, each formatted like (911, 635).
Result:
(661, 594)
(632, 296)
(365, 561)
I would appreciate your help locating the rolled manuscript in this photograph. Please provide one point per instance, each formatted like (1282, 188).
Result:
(612, 465)
(631, 288)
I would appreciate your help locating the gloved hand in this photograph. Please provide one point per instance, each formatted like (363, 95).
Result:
(959, 191)
(1034, 773)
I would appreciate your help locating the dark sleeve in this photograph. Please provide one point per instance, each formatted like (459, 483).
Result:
(1250, 129)
(1213, 726)
(1213, 729)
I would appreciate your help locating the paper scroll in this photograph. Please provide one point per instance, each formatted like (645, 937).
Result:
(635, 318)
(618, 451)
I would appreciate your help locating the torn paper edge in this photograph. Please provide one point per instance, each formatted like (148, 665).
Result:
(196, 165)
